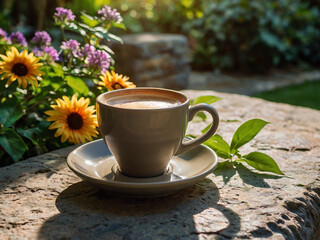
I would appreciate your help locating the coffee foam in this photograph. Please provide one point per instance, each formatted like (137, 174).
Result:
(143, 102)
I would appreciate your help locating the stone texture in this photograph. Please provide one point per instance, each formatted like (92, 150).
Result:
(154, 60)
(42, 199)
(249, 84)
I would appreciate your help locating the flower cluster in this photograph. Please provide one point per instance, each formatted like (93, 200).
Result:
(41, 38)
(63, 15)
(98, 61)
(18, 38)
(3, 34)
(42, 48)
(108, 14)
(71, 48)
(48, 52)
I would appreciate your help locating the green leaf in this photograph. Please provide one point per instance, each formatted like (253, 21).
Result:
(57, 68)
(12, 143)
(199, 117)
(204, 99)
(77, 84)
(10, 111)
(220, 146)
(230, 120)
(118, 25)
(113, 37)
(89, 20)
(206, 128)
(246, 132)
(33, 133)
(74, 27)
(105, 48)
(86, 27)
(261, 162)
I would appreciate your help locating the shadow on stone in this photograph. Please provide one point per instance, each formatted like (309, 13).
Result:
(89, 213)
(227, 171)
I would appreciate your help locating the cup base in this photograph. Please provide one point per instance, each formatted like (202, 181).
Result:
(119, 176)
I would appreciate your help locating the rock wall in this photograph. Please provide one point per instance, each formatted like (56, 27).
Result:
(154, 60)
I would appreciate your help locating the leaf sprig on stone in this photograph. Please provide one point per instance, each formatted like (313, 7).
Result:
(244, 134)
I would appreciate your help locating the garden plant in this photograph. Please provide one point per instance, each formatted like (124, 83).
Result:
(43, 88)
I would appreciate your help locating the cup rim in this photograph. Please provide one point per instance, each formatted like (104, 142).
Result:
(116, 92)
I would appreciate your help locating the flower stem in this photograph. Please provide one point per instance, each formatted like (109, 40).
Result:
(63, 34)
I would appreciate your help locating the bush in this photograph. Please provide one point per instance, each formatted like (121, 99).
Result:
(255, 35)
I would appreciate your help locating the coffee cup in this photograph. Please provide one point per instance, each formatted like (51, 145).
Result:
(145, 127)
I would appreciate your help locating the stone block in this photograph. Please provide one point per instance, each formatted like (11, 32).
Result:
(153, 57)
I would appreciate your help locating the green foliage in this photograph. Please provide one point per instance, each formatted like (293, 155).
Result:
(157, 16)
(204, 99)
(77, 84)
(12, 143)
(255, 35)
(201, 116)
(245, 133)
(261, 162)
(10, 110)
(220, 146)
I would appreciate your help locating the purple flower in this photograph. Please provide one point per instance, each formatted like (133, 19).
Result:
(63, 15)
(88, 49)
(106, 13)
(99, 61)
(71, 48)
(42, 38)
(17, 37)
(37, 52)
(3, 34)
(50, 51)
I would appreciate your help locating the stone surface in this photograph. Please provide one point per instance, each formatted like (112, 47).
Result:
(249, 85)
(151, 59)
(42, 199)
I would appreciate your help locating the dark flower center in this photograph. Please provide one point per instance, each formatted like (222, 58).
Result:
(75, 121)
(20, 69)
(117, 86)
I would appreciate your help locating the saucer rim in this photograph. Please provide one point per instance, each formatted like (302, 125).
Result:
(112, 183)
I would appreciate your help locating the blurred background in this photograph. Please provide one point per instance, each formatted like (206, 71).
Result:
(225, 36)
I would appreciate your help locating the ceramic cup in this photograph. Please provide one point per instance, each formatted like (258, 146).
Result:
(144, 140)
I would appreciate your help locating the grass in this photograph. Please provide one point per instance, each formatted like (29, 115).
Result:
(305, 95)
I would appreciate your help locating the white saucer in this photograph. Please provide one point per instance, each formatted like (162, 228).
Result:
(94, 162)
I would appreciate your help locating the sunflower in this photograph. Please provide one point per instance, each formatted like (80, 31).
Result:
(114, 81)
(74, 120)
(23, 67)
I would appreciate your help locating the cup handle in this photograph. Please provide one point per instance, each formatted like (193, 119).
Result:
(197, 141)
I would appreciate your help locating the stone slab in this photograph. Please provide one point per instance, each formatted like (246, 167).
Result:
(154, 59)
(40, 198)
(250, 84)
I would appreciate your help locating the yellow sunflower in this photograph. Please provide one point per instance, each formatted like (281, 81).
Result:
(114, 81)
(23, 67)
(74, 120)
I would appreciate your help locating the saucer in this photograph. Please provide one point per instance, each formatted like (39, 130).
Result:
(94, 163)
